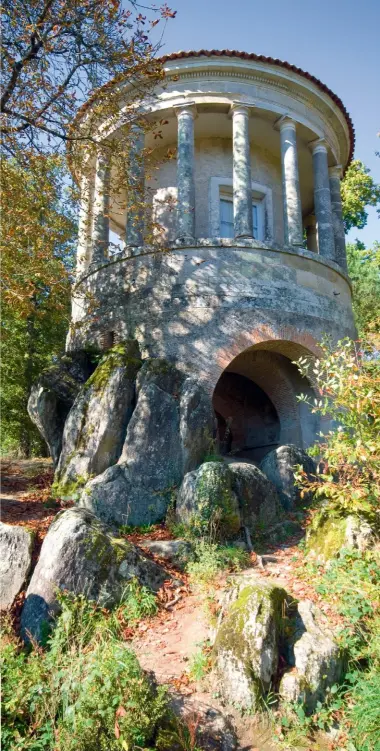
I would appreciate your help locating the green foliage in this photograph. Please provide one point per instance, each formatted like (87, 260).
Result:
(364, 712)
(210, 560)
(351, 584)
(86, 691)
(359, 190)
(138, 602)
(200, 663)
(38, 235)
(348, 386)
(364, 270)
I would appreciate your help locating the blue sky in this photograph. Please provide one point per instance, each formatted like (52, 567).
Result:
(335, 40)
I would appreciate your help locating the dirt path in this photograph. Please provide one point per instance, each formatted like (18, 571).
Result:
(166, 644)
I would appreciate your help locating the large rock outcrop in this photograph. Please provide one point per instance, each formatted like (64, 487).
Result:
(328, 534)
(278, 465)
(53, 395)
(80, 554)
(233, 495)
(315, 659)
(96, 425)
(259, 502)
(170, 431)
(260, 628)
(246, 648)
(206, 500)
(16, 545)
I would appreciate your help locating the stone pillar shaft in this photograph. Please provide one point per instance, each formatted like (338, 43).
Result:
(335, 174)
(290, 183)
(322, 201)
(185, 173)
(101, 222)
(242, 186)
(84, 224)
(136, 184)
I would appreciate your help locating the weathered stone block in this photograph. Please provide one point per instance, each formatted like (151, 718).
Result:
(246, 649)
(279, 465)
(16, 544)
(158, 447)
(315, 659)
(53, 395)
(95, 428)
(81, 555)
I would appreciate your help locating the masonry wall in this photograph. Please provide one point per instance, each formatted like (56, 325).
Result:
(204, 306)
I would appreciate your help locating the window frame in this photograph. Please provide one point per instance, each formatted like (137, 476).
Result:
(222, 187)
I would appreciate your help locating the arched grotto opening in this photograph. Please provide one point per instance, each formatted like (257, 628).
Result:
(256, 405)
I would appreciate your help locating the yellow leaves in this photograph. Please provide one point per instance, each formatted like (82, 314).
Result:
(36, 235)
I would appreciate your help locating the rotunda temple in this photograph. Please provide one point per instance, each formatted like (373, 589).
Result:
(252, 271)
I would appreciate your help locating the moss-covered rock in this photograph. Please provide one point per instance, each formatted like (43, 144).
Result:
(259, 501)
(328, 534)
(224, 497)
(315, 659)
(95, 428)
(206, 502)
(246, 648)
(82, 555)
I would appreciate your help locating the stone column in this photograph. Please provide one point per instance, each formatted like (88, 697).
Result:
(322, 200)
(134, 235)
(335, 174)
(84, 223)
(242, 186)
(185, 173)
(101, 222)
(311, 233)
(290, 183)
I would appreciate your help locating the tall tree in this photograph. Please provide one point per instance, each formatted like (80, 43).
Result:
(364, 270)
(359, 191)
(38, 254)
(57, 54)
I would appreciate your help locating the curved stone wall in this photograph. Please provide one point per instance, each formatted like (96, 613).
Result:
(202, 306)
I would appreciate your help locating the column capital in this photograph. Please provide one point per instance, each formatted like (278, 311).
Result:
(186, 108)
(318, 146)
(242, 108)
(285, 121)
(336, 171)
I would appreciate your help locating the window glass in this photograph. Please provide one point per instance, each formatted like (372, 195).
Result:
(227, 218)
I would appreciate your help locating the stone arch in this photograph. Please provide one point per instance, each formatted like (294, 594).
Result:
(267, 366)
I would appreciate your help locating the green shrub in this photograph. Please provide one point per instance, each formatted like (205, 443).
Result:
(210, 560)
(364, 711)
(138, 602)
(86, 691)
(200, 663)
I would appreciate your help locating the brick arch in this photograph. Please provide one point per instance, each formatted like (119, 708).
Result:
(285, 340)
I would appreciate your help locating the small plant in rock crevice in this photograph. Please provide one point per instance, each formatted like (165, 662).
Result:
(138, 602)
(200, 663)
(211, 560)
